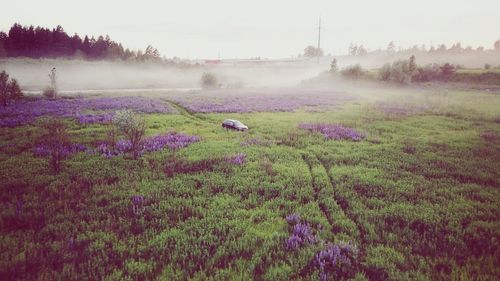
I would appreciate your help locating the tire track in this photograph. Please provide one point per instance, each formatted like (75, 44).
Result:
(317, 190)
(184, 111)
(343, 203)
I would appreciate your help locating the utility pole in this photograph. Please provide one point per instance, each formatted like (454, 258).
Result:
(319, 37)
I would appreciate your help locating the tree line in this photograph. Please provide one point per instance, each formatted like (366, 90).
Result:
(38, 42)
(360, 50)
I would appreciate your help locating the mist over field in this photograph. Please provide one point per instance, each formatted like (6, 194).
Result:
(84, 75)
(77, 75)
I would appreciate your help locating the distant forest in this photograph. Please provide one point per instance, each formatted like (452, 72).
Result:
(39, 42)
(355, 50)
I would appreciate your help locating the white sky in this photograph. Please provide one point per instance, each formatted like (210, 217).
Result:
(266, 28)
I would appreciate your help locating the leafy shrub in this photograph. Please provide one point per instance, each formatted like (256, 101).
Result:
(384, 73)
(9, 90)
(427, 73)
(49, 92)
(209, 80)
(55, 141)
(132, 127)
(400, 72)
(352, 72)
(447, 70)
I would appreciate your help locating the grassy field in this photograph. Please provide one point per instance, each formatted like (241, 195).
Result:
(416, 199)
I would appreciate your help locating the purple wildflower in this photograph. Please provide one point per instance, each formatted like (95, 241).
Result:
(333, 131)
(304, 231)
(335, 258)
(123, 146)
(293, 219)
(246, 100)
(25, 111)
(170, 140)
(294, 242)
(301, 235)
(42, 150)
(105, 151)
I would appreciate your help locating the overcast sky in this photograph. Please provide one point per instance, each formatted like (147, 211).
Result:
(266, 28)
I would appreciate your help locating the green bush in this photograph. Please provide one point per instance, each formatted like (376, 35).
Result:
(400, 72)
(133, 127)
(353, 72)
(9, 89)
(49, 92)
(209, 81)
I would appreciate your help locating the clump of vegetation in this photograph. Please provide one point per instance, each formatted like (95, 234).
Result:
(51, 91)
(54, 142)
(312, 52)
(132, 127)
(427, 73)
(333, 131)
(400, 72)
(9, 89)
(353, 72)
(407, 71)
(209, 80)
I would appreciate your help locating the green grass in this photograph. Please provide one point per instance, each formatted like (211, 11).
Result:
(419, 197)
(479, 70)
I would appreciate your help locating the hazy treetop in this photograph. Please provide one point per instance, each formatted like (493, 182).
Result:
(266, 28)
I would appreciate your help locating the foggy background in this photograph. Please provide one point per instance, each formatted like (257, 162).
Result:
(265, 28)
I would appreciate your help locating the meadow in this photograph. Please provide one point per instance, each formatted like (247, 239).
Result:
(347, 184)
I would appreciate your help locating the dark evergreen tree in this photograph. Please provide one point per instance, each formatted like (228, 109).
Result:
(38, 42)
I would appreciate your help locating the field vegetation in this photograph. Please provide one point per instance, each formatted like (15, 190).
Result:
(346, 184)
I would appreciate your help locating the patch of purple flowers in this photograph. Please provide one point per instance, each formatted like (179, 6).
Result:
(293, 219)
(333, 131)
(238, 159)
(262, 100)
(42, 151)
(301, 233)
(172, 140)
(25, 111)
(335, 259)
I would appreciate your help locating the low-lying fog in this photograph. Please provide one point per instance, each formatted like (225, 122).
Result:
(78, 75)
(75, 75)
